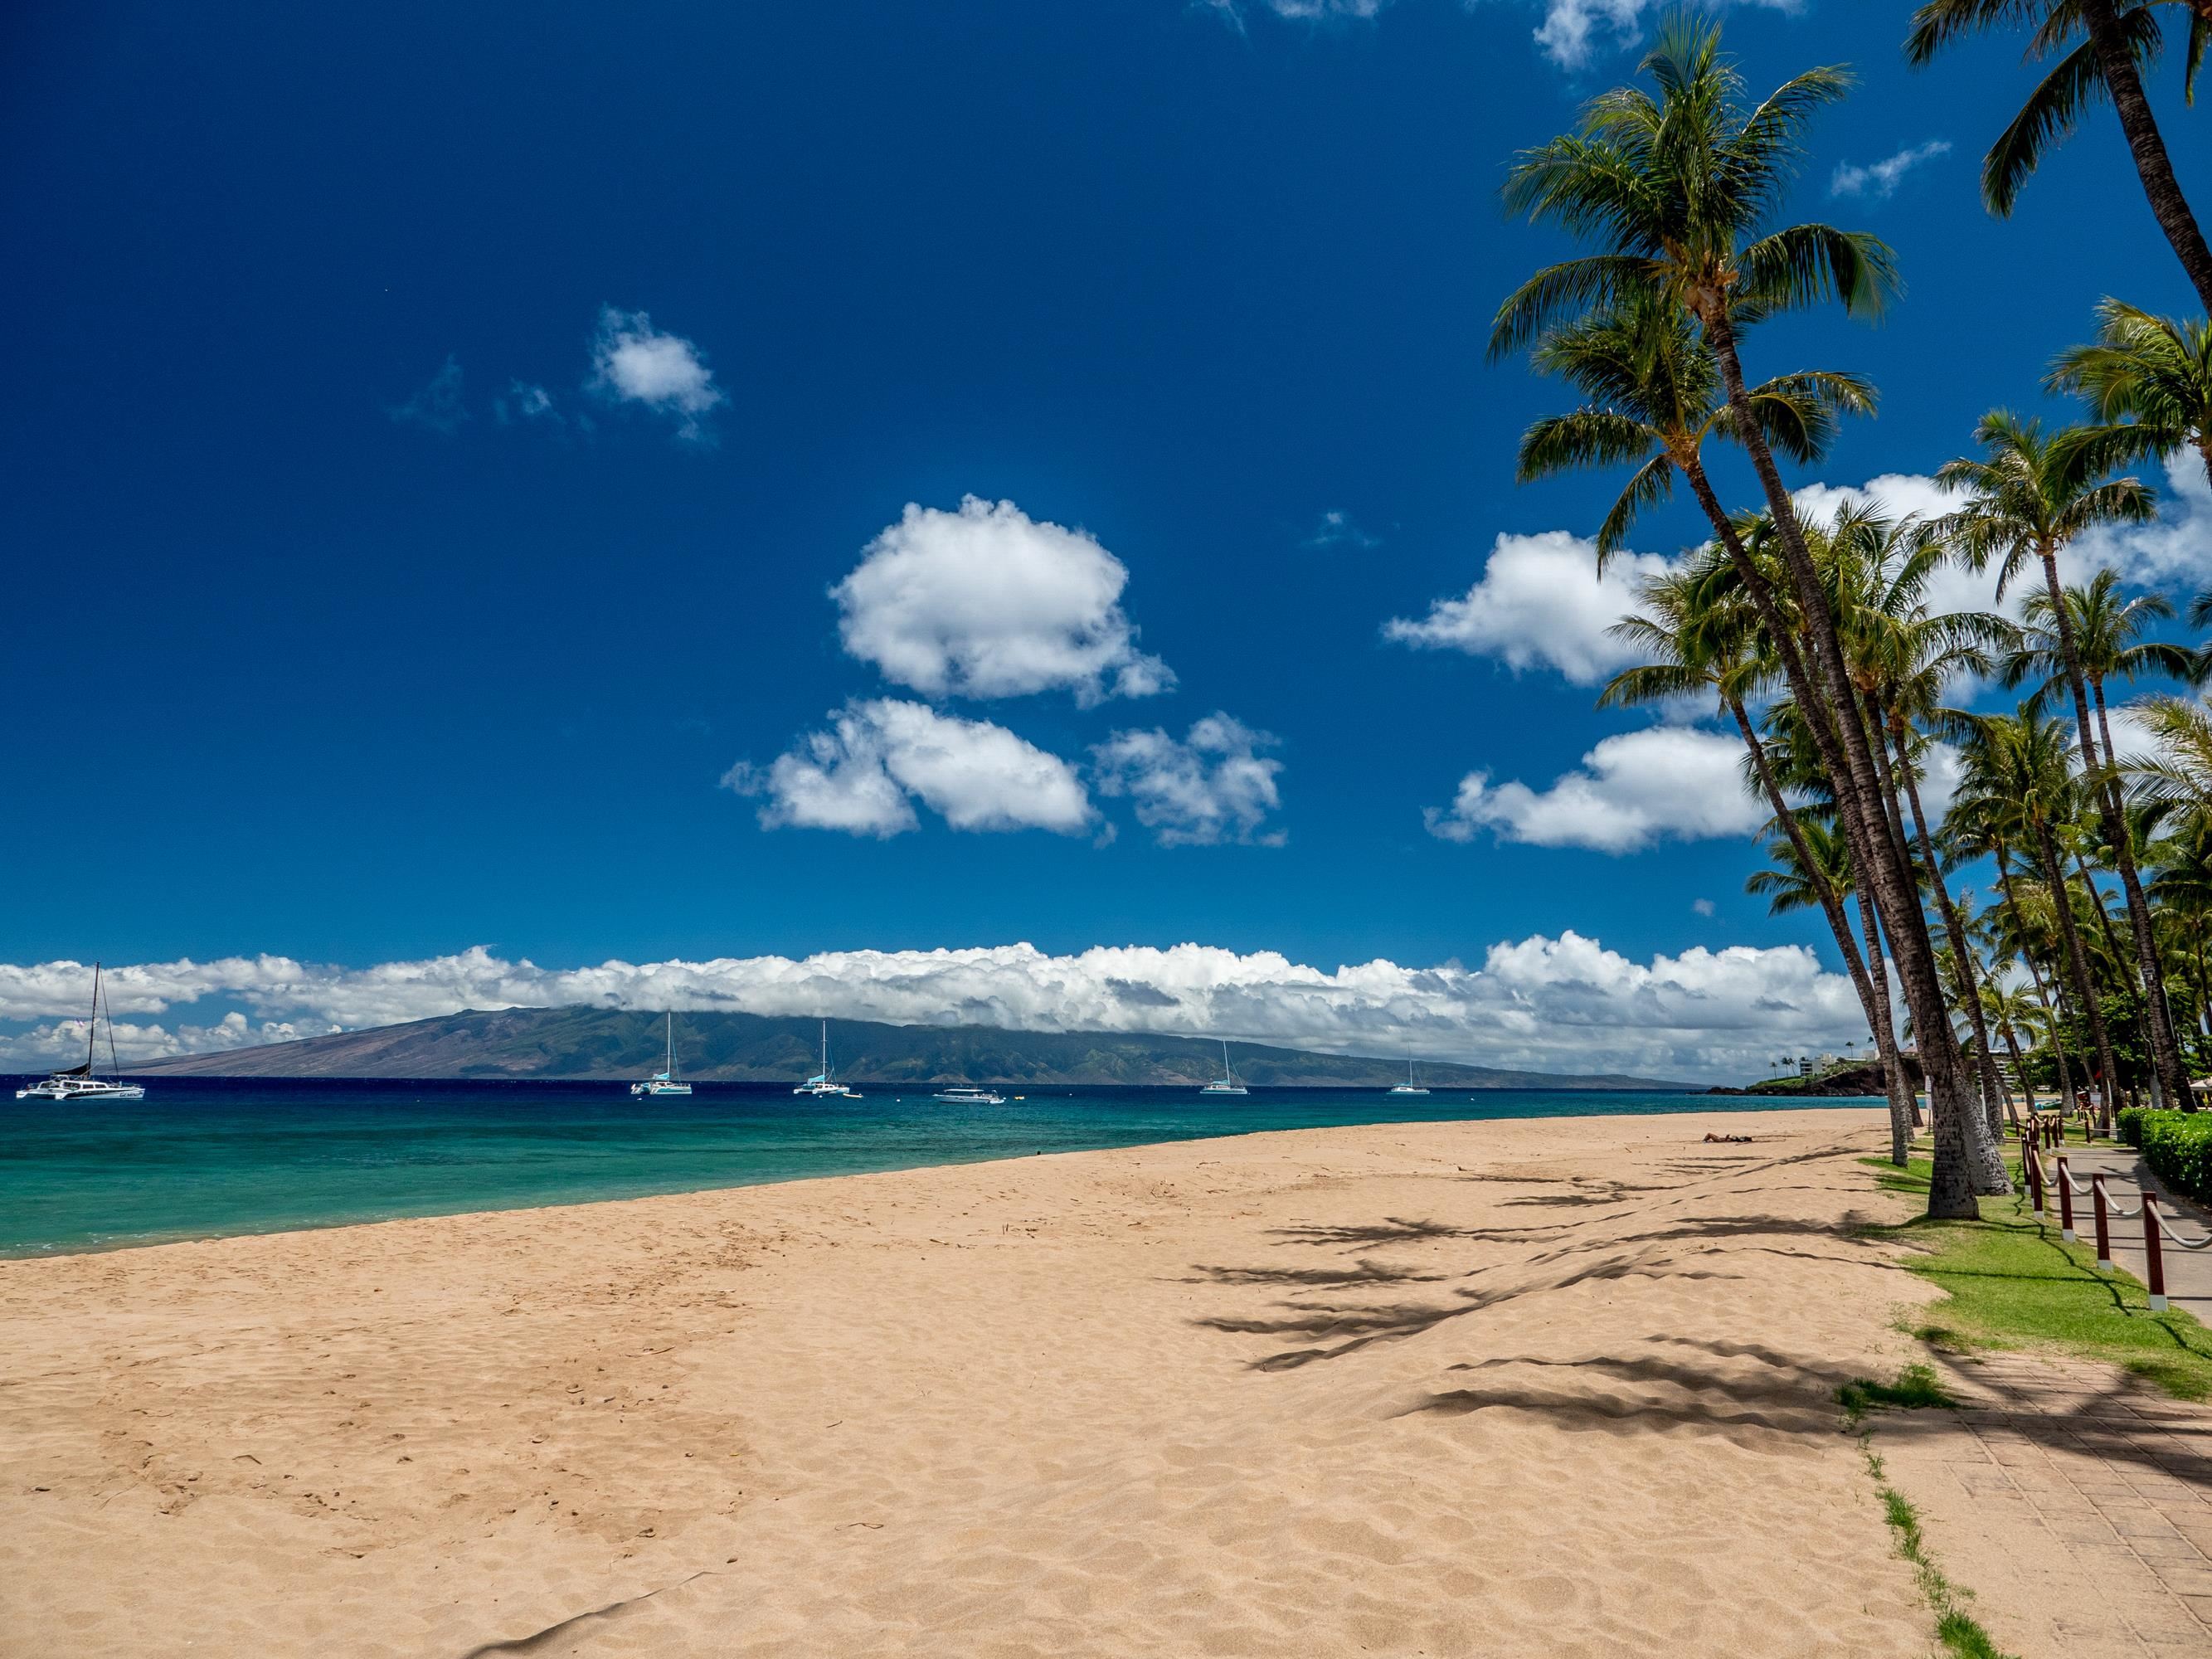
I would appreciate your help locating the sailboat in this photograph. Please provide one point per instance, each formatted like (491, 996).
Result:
(822, 1083)
(1408, 1087)
(1228, 1082)
(665, 1081)
(78, 1083)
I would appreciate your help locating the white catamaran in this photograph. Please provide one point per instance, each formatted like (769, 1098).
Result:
(1228, 1083)
(663, 1082)
(78, 1083)
(821, 1083)
(1408, 1087)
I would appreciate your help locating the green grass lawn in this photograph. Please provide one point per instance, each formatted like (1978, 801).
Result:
(2014, 1284)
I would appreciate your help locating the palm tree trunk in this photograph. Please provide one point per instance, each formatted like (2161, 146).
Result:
(2035, 975)
(2164, 1055)
(1897, 1086)
(2118, 68)
(1986, 1164)
(1988, 1154)
(2123, 964)
(2165, 1046)
(1831, 905)
(2085, 990)
(2019, 1070)
(1951, 1189)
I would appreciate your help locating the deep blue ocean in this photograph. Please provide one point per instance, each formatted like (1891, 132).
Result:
(205, 1157)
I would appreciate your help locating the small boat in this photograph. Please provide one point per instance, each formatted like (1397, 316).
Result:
(821, 1085)
(1228, 1083)
(665, 1081)
(1408, 1087)
(964, 1097)
(78, 1083)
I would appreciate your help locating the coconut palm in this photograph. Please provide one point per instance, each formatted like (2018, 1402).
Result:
(2012, 1012)
(2028, 496)
(1655, 399)
(2019, 767)
(1903, 655)
(1698, 636)
(1677, 190)
(2104, 45)
(2148, 381)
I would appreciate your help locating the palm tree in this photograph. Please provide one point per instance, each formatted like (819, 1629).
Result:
(2028, 496)
(2008, 1010)
(2019, 767)
(2148, 378)
(2105, 44)
(1655, 399)
(2181, 860)
(1677, 191)
(1903, 655)
(1698, 636)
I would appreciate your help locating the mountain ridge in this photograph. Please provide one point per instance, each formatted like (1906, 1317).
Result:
(611, 1044)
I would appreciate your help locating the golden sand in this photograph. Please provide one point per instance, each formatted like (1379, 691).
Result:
(1555, 1387)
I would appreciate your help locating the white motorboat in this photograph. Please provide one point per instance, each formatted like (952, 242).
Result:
(78, 1083)
(821, 1083)
(972, 1096)
(665, 1081)
(1408, 1087)
(1228, 1083)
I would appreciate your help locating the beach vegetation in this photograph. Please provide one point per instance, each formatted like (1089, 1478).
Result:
(2012, 1282)
(1916, 1388)
(2044, 931)
(1961, 1633)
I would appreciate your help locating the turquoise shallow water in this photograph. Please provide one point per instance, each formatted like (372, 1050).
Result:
(205, 1157)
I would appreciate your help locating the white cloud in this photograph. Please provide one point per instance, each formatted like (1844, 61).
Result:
(1633, 789)
(523, 401)
(1338, 528)
(1211, 786)
(2173, 552)
(2176, 551)
(1563, 1004)
(632, 361)
(1540, 601)
(1570, 31)
(1879, 180)
(863, 776)
(437, 407)
(1703, 907)
(988, 602)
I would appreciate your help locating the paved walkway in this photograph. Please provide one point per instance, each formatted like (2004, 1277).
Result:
(2074, 1498)
(2188, 1272)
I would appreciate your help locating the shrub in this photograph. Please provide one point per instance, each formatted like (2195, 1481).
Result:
(2130, 1125)
(2178, 1146)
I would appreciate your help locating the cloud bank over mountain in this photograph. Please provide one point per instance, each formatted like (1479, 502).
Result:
(1563, 1004)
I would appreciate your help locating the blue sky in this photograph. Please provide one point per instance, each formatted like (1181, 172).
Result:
(438, 433)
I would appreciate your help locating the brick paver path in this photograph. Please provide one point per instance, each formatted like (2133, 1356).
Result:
(2075, 1499)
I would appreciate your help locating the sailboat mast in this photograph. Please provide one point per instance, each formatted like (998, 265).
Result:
(91, 1027)
(114, 1060)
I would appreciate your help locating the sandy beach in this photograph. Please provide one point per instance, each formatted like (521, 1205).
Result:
(1537, 1386)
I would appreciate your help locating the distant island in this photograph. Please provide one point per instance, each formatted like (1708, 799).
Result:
(716, 1047)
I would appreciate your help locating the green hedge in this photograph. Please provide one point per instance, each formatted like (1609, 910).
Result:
(2129, 1123)
(2178, 1146)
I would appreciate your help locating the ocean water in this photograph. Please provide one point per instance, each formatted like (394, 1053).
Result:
(207, 1156)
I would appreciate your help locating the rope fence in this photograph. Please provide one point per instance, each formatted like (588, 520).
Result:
(2157, 1230)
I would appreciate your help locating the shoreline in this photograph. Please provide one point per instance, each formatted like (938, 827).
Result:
(1457, 1387)
(725, 1151)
